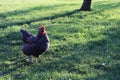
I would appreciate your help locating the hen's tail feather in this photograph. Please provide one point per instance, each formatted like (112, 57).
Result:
(25, 35)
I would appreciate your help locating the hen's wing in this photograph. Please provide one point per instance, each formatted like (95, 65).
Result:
(26, 36)
(28, 49)
(43, 43)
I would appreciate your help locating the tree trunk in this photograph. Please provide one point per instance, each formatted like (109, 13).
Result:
(86, 6)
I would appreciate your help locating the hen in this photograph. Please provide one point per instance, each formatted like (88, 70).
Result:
(35, 45)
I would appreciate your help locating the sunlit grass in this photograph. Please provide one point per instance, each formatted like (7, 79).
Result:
(84, 45)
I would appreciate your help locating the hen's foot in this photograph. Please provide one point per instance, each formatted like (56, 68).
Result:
(29, 60)
(36, 61)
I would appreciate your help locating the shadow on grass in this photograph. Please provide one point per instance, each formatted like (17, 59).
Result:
(16, 57)
(20, 12)
(112, 74)
(40, 8)
(10, 42)
(101, 7)
(108, 47)
(72, 54)
(11, 54)
(75, 54)
(40, 19)
(15, 65)
(79, 53)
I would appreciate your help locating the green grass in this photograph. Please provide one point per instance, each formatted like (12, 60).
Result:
(84, 45)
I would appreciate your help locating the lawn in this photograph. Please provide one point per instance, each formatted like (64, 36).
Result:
(84, 45)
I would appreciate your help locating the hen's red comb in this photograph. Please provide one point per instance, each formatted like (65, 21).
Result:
(43, 27)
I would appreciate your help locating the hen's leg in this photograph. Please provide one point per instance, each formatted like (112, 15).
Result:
(36, 60)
